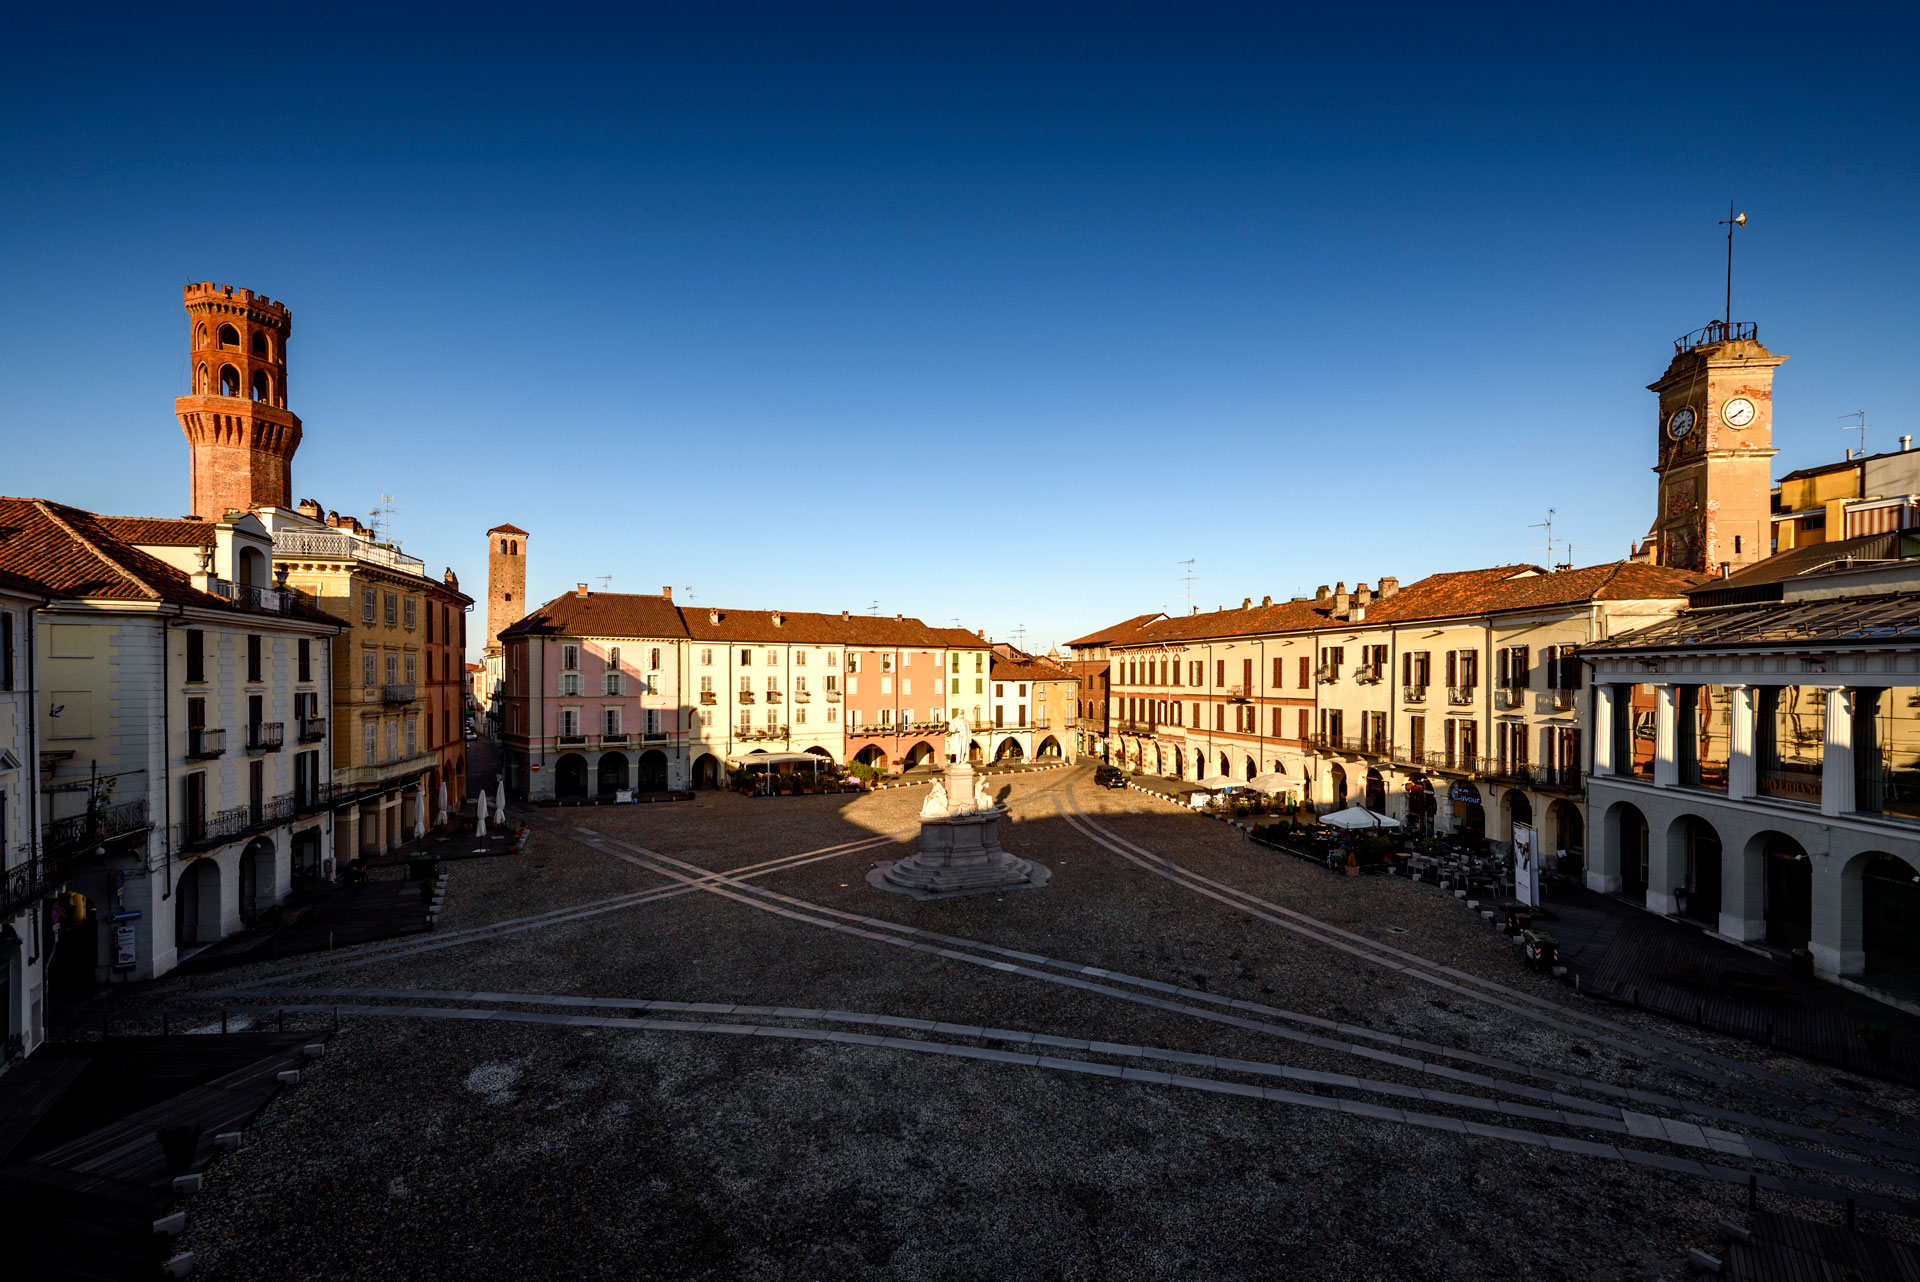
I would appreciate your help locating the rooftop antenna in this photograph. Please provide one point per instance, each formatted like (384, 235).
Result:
(383, 520)
(1548, 526)
(688, 589)
(1189, 581)
(1861, 427)
(874, 608)
(1020, 637)
(1568, 563)
(606, 582)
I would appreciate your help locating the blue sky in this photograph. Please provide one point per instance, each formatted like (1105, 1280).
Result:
(976, 312)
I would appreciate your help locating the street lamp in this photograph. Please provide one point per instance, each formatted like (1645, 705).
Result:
(1731, 221)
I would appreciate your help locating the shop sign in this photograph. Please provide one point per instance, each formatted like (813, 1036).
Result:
(123, 947)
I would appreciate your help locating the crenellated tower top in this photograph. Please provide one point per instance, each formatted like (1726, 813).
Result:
(240, 433)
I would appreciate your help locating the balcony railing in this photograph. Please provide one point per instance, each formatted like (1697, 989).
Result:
(78, 832)
(1370, 673)
(1360, 744)
(313, 729)
(573, 739)
(761, 732)
(1460, 763)
(342, 547)
(1329, 672)
(1511, 696)
(248, 596)
(1462, 695)
(1413, 694)
(309, 797)
(1564, 700)
(708, 698)
(1240, 693)
(614, 736)
(654, 736)
(204, 742)
(773, 697)
(745, 696)
(801, 696)
(397, 693)
(833, 696)
(31, 879)
(1560, 778)
(266, 736)
(200, 832)
(1515, 772)
(1716, 332)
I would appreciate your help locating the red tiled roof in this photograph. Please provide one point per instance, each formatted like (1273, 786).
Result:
(158, 531)
(621, 614)
(601, 614)
(72, 553)
(1495, 590)
(1028, 669)
(506, 529)
(1116, 634)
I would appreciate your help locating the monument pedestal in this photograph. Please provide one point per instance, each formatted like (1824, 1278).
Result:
(960, 850)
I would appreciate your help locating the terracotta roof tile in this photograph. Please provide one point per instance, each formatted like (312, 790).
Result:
(631, 615)
(158, 531)
(507, 529)
(1115, 634)
(602, 614)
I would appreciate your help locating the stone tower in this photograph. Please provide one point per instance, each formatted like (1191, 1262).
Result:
(240, 435)
(1715, 441)
(506, 580)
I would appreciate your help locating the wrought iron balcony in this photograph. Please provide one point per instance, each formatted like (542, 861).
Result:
(1239, 693)
(654, 736)
(266, 736)
(833, 696)
(313, 729)
(202, 832)
(33, 878)
(1560, 779)
(1462, 695)
(107, 823)
(205, 742)
(247, 596)
(1413, 694)
(1511, 696)
(573, 738)
(1514, 772)
(614, 736)
(744, 697)
(309, 797)
(1716, 332)
(708, 698)
(1371, 673)
(773, 696)
(1329, 672)
(801, 696)
(397, 693)
(1459, 763)
(1564, 700)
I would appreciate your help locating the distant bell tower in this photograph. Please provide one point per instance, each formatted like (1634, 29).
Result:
(1715, 450)
(240, 435)
(506, 580)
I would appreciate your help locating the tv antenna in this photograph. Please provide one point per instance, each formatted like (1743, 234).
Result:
(874, 608)
(605, 581)
(1731, 221)
(1860, 427)
(688, 589)
(1020, 637)
(383, 520)
(1188, 577)
(1547, 525)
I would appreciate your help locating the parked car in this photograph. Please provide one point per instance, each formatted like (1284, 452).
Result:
(1110, 777)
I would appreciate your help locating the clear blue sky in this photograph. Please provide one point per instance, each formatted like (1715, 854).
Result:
(771, 301)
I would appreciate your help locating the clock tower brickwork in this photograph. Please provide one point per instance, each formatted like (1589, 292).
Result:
(1715, 440)
(506, 580)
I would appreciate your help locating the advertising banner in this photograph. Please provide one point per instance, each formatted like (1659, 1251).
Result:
(1526, 866)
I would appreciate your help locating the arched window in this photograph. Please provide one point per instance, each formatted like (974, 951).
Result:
(229, 381)
(260, 342)
(515, 546)
(503, 547)
(260, 385)
(230, 337)
(200, 335)
(200, 381)
(653, 658)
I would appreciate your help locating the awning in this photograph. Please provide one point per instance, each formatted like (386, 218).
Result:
(1270, 782)
(1359, 817)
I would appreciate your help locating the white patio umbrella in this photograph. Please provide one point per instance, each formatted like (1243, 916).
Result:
(1217, 782)
(440, 820)
(500, 797)
(1270, 783)
(1355, 817)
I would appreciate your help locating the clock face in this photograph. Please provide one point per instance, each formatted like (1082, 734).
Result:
(1737, 412)
(1681, 423)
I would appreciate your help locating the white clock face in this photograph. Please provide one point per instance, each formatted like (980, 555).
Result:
(1681, 423)
(1737, 412)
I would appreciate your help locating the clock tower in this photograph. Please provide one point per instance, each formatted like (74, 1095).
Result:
(1715, 450)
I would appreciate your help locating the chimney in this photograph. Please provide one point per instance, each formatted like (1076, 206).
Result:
(778, 618)
(1849, 453)
(1266, 600)
(713, 616)
(1388, 586)
(1726, 569)
(1321, 593)
(1906, 443)
(1341, 600)
(899, 618)
(1246, 603)
(1361, 595)
(333, 520)
(309, 509)
(580, 590)
(844, 614)
(667, 592)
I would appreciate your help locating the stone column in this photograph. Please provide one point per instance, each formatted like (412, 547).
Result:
(1666, 860)
(1602, 738)
(1838, 937)
(1743, 890)
(1603, 850)
(1836, 759)
(1666, 761)
(1742, 776)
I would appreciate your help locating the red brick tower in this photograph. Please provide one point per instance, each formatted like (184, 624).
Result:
(506, 580)
(239, 432)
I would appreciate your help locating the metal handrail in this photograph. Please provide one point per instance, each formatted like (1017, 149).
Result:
(204, 742)
(401, 693)
(266, 736)
(1462, 695)
(105, 823)
(313, 729)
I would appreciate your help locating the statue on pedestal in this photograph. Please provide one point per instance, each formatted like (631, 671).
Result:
(959, 838)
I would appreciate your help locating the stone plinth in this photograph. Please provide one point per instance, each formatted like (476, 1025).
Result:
(959, 854)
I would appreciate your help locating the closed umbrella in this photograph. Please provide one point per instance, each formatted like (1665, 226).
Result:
(440, 819)
(500, 796)
(420, 820)
(480, 817)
